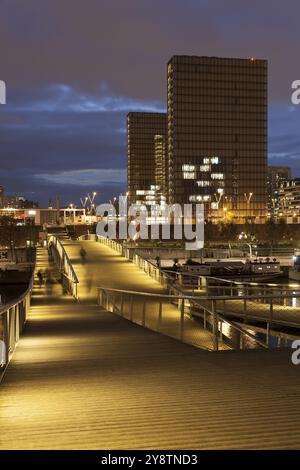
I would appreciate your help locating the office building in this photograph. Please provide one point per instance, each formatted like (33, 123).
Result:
(277, 175)
(217, 136)
(161, 165)
(289, 201)
(142, 150)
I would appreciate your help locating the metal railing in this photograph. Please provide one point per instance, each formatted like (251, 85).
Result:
(217, 285)
(251, 302)
(68, 275)
(12, 321)
(181, 317)
(266, 304)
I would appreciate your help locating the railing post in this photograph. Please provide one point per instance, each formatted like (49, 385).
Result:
(159, 315)
(182, 320)
(122, 304)
(215, 326)
(131, 308)
(100, 297)
(221, 330)
(241, 341)
(245, 310)
(268, 335)
(113, 302)
(144, 314)
(6, 337)
(271, 311)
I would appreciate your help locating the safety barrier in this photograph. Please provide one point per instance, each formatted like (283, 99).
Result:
(61, 258)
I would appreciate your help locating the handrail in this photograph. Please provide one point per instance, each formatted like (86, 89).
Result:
(13, 317)
(230, 281)
(69, 276)
(5, 307)
(204, 297)
(239, 285)
(195, 300)
(65, 254)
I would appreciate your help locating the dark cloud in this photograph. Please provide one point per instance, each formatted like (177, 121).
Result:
(74, 68)
(58, 139)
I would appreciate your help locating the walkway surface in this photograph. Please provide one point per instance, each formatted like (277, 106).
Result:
(104, 267)
(82, 378)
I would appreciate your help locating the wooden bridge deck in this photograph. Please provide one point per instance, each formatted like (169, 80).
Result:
(82, 378)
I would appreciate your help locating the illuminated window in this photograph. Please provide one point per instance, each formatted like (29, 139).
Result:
(212, 160)
(188, 167)
(199, 198)
(189, 175)
(217, 176)
(204, 167)
(203, 184)
(214, 205)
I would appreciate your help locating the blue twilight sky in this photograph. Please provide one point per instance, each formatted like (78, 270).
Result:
(74, 68)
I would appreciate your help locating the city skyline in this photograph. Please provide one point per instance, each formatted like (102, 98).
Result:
(63, 129)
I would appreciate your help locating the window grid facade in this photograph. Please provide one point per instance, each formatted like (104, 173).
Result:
(141, 169)
(217, 107)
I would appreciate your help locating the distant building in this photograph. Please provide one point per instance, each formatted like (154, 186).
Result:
(289, 201)
(277, 176)
(161, 165)
(15, 201)
(142, 128)
(1, 197)
(217, 136)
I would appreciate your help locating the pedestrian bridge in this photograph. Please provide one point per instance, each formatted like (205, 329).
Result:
(90, 376)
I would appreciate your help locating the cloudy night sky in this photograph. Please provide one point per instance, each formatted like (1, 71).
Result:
(74, 68)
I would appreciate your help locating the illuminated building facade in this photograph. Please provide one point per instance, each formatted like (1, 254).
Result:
(217, 136)
(143, 151)
(161, 165)
(277, 175)
(289, 201)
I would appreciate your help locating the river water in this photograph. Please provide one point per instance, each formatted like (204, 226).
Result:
(10, 292)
